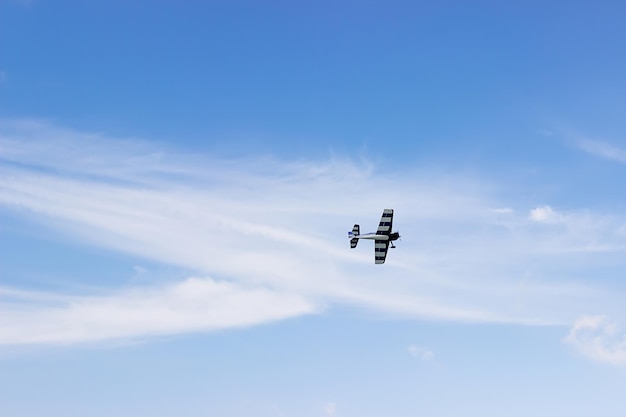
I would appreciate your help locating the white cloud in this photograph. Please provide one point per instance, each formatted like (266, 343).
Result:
(577, 232)
(545, 214)
(421, 352)
(194, 304)
(274, 228)
(603, 150)
(599, 339)
(330, 408)
(139, 269)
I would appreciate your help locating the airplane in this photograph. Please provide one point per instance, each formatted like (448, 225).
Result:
(383, 238)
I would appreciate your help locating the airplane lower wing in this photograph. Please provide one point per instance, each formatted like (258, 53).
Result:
(384, 228)
(380, 251)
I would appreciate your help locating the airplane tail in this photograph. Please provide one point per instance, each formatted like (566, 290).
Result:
(353, 235)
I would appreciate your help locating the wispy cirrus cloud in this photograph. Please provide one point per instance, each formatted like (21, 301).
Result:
(195, 304)
(273, 231)
(503, 210)
(603, 150)
(330, 408)
(599, 339)
(420, 352)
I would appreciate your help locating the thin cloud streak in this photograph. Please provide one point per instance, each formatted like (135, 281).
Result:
(421, 352)
(263, 225)
(194, 304)
(599, 339)
(603, 150)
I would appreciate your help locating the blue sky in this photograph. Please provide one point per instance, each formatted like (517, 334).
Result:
(178, 180)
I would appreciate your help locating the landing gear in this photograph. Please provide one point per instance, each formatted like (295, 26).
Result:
(392, 246)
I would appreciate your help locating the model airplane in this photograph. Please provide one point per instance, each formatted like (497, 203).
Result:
(383, 238)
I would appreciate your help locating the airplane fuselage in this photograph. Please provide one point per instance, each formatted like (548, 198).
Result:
(374, 236)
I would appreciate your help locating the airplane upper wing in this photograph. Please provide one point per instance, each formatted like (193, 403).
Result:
(384, 227)
(380, 251)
